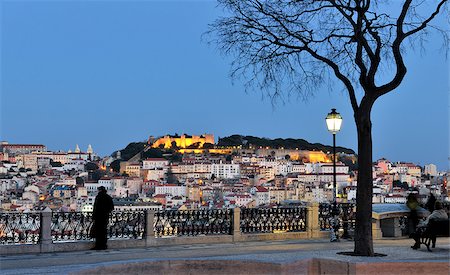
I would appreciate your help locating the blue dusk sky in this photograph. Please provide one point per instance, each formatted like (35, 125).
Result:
(108, 73)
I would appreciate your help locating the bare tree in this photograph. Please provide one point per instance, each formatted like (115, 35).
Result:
(293, 46)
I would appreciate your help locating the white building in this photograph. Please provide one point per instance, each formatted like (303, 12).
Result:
(261, 195)
(133, 169)
(240, 200)
(107, 183)
(400, 168)
(298, 168)
(118, 182)
(121, 192)
(3, 169)
(412, 181)
(327, 168)
(308, 178)
(182, 168)
(225, 170)
(134, 185)
(317, 195)
(155, 163)
(91, 187)
(172, 189)
(395, 199)
(82, 192)
(267, 172)
(155, 174)
(75, 164)
(431, 170)
(283, 168)
(67, 181)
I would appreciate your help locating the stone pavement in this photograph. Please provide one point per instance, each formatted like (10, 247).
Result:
(263, 257)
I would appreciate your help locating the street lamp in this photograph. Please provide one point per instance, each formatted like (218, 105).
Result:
(334, 122)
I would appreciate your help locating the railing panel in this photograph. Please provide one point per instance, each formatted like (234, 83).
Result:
(347, 216)
(325, 216)
(405, 226)
(193, 222)
(75, 226)
(127, 225)
(71, 226)
(20, 228)
(346, 212)
(269, 220)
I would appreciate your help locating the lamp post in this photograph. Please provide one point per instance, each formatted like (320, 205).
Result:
(334, 122)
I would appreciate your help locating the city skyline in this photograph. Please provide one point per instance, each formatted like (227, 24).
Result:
(110, 73)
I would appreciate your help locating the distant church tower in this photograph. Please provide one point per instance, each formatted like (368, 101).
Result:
(90, 150)
(77, 149)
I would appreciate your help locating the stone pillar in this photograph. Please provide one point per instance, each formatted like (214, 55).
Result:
(46, 231)
(150, 227)
(312, 220)
(236, 224)
(397, 228)
(376, 229)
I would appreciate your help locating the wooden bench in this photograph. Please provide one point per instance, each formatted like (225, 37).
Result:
(435, 228)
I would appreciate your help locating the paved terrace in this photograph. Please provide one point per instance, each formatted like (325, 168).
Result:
(305, 256)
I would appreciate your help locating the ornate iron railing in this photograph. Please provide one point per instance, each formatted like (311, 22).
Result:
(20, 228)
(71, 226)
(405, 225)
(269, 220)
(193, 222)
(127, 225)
(74, 226)
(346, 216)
(325, 216)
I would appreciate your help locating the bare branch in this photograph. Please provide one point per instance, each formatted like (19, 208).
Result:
(286, 44)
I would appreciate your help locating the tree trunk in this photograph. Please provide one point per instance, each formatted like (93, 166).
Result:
(363, 232)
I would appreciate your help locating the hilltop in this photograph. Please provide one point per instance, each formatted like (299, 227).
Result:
(245, 142)
(288, 143)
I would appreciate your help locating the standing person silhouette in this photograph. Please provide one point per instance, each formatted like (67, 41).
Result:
(103, 206)
(413, 205)
(430, 203)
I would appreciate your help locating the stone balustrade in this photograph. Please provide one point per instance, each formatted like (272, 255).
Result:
(69, 231)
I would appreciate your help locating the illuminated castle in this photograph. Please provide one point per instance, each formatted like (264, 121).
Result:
(183, 141)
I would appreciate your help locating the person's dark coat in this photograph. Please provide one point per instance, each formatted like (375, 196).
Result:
(430, 203)
(413, 206)
(103, 206)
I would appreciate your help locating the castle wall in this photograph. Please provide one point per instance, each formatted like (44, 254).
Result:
(183, 141)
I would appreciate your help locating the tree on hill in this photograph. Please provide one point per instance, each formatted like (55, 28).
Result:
(55, 163)
(404, 185)
(132, 149)
(295, 46)
(175, 157)
(171, 178)
(289, 143)
(195, 145)
(91, 166)
(208, 145)
(115, 165)
(79, 181)
(152, 153)
(174, 145)
(234, 140)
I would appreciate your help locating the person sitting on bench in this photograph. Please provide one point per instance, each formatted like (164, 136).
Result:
(438, 214)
